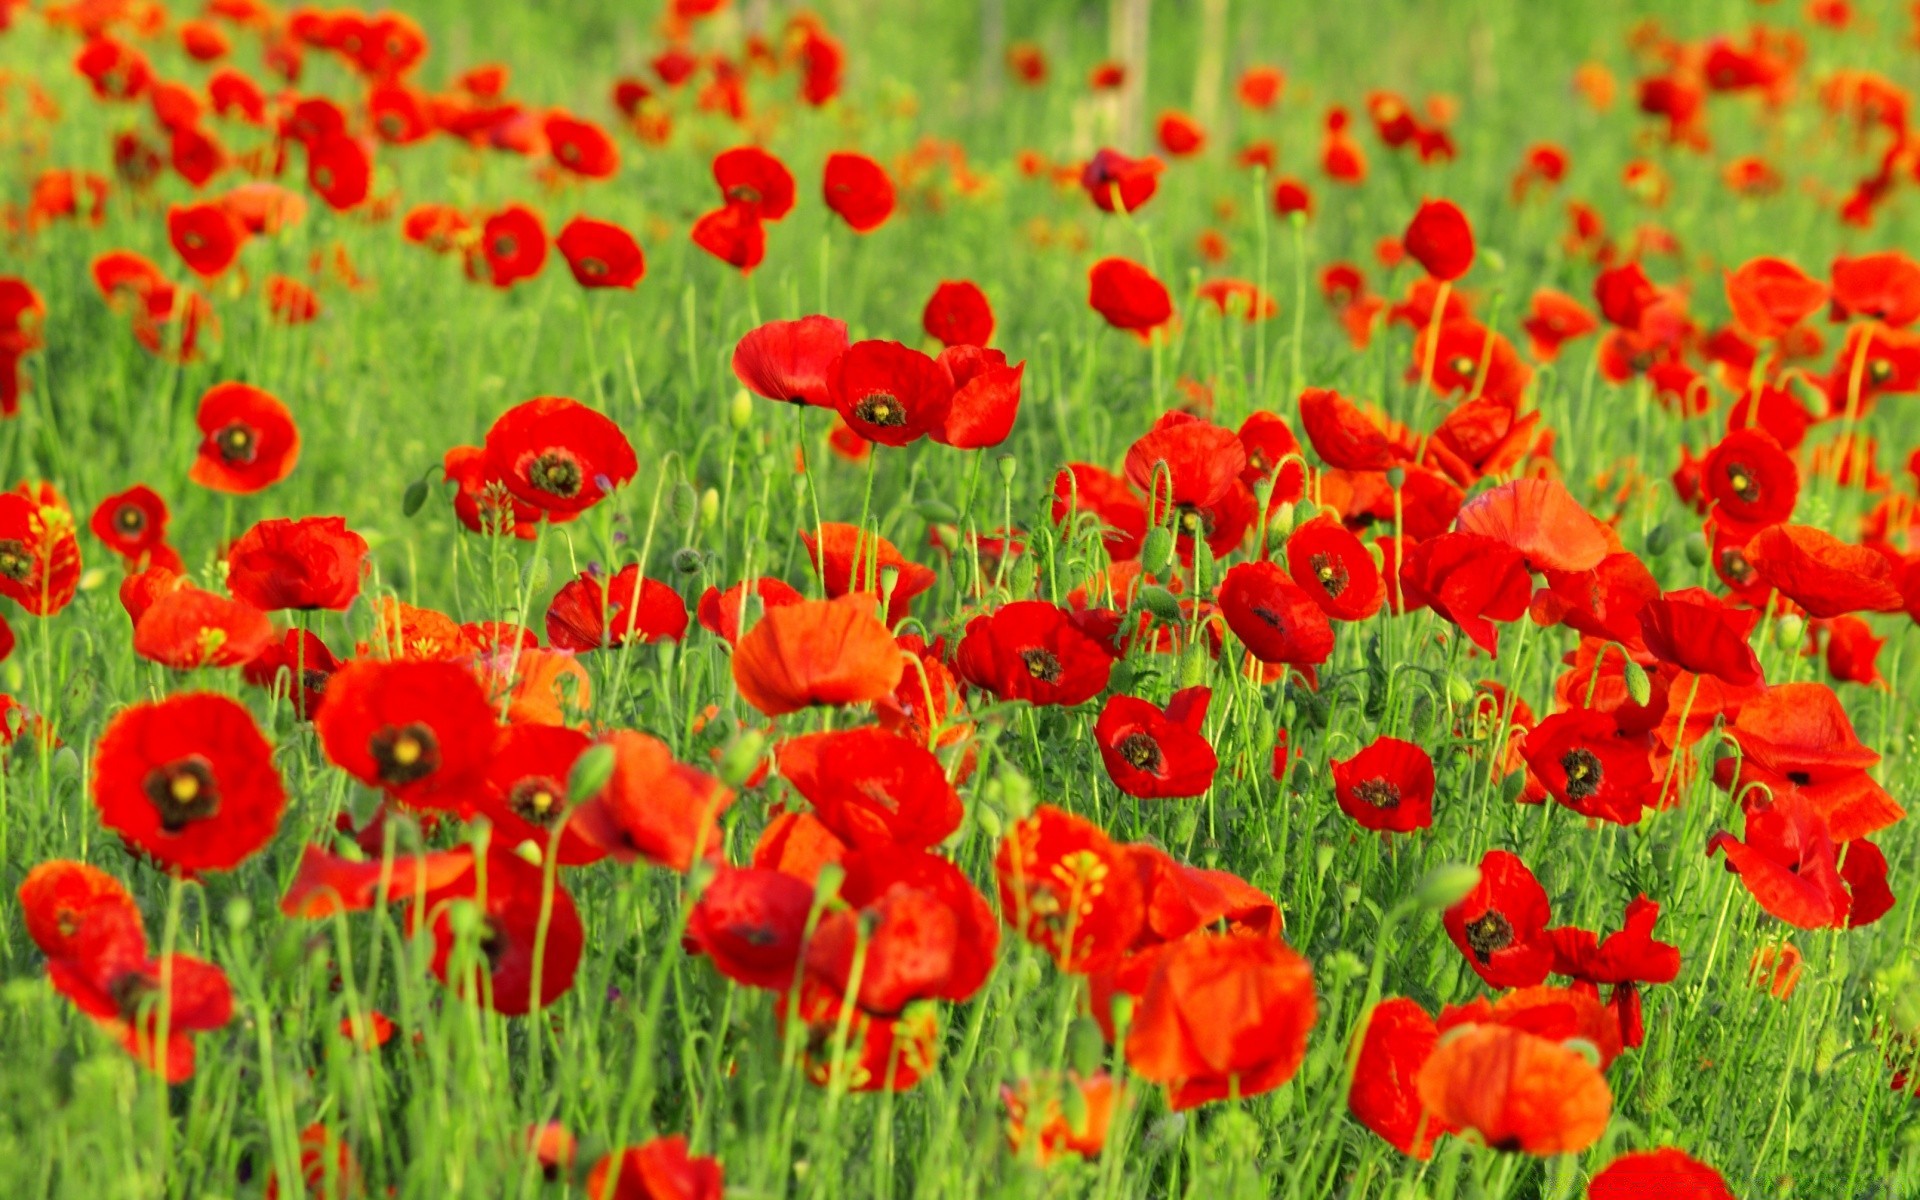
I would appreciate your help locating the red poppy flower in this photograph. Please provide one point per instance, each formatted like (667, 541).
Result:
(1222, 1016)
(1269, 444)
(1884, 287)
(1154, 753)
(850, 560)
(872, 789)
(421, 730)
(1821, 573)
(601, 254)
(957, 314)
(1469, 358)
(890, 393)
(581, 146)
(325, 884)
(39, 555)
(526, 791)
(1701, 635)
(1114, 180)
(482, 501)
(1501, 924)
(1797, 738)
(1276, 618)
(558, 454)
(528, 927)
(74, 911)
(733, 234)
(1789, 862)
(1180, 135)
(1186, 462)
(124, 993)
(1332, 566)
(1589, 764)
(1751, 479)
(1069, 890)
(248, 440)
(1128, 296)
(858, 190)
(512, 247)
(205, 236)
(340, 170)
(1237, 297)
(755, 181)
(1625, 959)
(792, 361)
(1084, 488)
(1670, 1174)
(1034, 651)
(307, 664)
(1542, 521)
(188, 628)
(190, 781)
(1516, 1090)
(1770, 296)
(1387, 786)
(727, 613)
(1851, 651)
(1400, 1037)
(1554, 320)
(1440, 240)
(587, 616)
(752, 924)
(986, 397)
(923, 931)
(655, 808)
(1038, 1124)
(309, 563)
(816, 652)
(1342, 435)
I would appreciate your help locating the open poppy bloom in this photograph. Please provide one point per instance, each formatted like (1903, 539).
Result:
(76, 911)
(849, 560)
(1387, 786)
(1275, 617)
(1797, 738)
(751, 923)
(1332, 566)
(1624, 959)
(1034, 651)
(928, 933)
(512, 247)
(586, 616)
(1440, 240)
(601, 254)
(421, 730)
(123, 991)
(309, 563)
(881, 1054)
(1128, 296)
(1068, 889)
(857, 189)
(1554, 320)
(986, 397)
(890, 393)
(190, 781)
(659, 1170)
(1751, 479)
(734, 235)
(1587, 762)
(872, 789)
(1789, 862)
(1222, 1016)
(248, 440)
(1115, 182)
(1154, 753)
(1501, 924)
(1085, 488)
(1470, 580)
(1541, 520)
(1343, 436)
(206, 237)
(1770, 296)
(527, 929)
(581, 147)
(340, 170)
(1385, 1097)
(957, 314)
(792, 361)
(1185, 464)
(1668, 1173)
(654, 807)
(186, 628)
(755, 181)
(306, 663)
(816, 652)
(325, 884)
(1821, 573)
(1038, 1122)
(1699, 634)
(39, 555)
(526, 791)
(727, 613)
(1518, 1091)
(558, 455)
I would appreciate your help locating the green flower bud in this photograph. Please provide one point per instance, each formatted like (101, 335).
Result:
(1446, 885)
(590, 773)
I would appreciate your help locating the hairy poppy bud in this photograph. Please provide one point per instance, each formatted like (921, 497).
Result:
(709, 506)
(1658, 539)
(1160, 602)
(1446, 885)
(740, 412)
(685, 500)
(1787, 632)
(415, 497)
(1008, 465)
(1511, 787)
(1194, 666)
(1459, 690)
(1638, 685)
(686, 560)
(1156, 553)
(590, 773)
(741, 758)
(1086, 1047)
(1697, 549)
(935, 511)
(533, 576)
(239, 913)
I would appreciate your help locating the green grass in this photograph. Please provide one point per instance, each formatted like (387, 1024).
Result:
(1787, 1099)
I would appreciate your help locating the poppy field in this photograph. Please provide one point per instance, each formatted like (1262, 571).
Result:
(941, 600)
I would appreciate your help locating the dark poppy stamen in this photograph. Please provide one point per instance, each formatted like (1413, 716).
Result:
(238, 443)
(1488, 933)
(505, 247)
(1738, 569)
(183, 792)
(1269, 616)
(15, 563)
(1879, 370)
(1462, 365)
(130, 519)
(131, 992)
(1741, 480)
(1379, 793)
(744, 193)
(537, 800)
(1043, 665)
(1800, 778)
(1141, 750)
(1583, 772)
(1331, 572)
(556, 472)
(404, 754)
(882, 409)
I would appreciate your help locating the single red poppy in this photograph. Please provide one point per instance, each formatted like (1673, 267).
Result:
(1516, 1090)
(195, 155)
(986, 397)
(1541, 520)
(1588, 763)
(1128, 296)
(1751, 479)
(849, 560)
(1185, 464)
(1273, 453)
(308, 563)
(528, 929)
(1851, 651)
(1883, 286)
(1470, 359)
(1156, 753)
(248, 440)
(919, 927)
(734, 235)
(890, 393)
(325, 884)
(1332, 566)
(957, 314)
(512, 246)
(1797, 738)
(1115, 182)
(340, 170)
(1180, 135)
(755, 181)
(420, 729)
(728, 613)
(1275, 617)
(558, 454)
(601, 254)
(205, 236)
(1038, 1122)
(1554, 320)
(872, 789)
(1770, 296)
(816, 652)
(291, 302)
(76, 911)
(1385, 1097)
(1084, 488)
(526, 794)
(1034, 651)
(857, 189)
(482, 501)
(1440, 240)
(125, 994)
(307, 664)
(132, 522)
(1387, 786)
(1238, 298)
(189, 781)
(1069, 889)
(1701, 635)
(1667, 1173)
(792, 361)
(1501, 924)
(1624, 959)
(752, 923)
(1343, 436)
(654, 807)
(1822, 574)
(188, 628)
(581, 147)
(585, 615)
(659, 1170)
(1789, 862)
(1222, 1016)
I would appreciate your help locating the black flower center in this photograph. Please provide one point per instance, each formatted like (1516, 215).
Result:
(556, 472)
(1331, 572)
(404, 754)
(745, 193)
(183, 792)
(1880, 370)
(238, 443)
(882, 409)
(1042, 664)
(537, 800)
(1140, 750)
(1584, 773)
(1736, 566)
(505, 247)
(1488, 933)
(15, 562)
(1741, 480)
(130, 519)
(133, 991)
(1379, 793)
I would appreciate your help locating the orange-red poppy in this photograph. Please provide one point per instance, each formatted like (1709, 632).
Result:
(248, 440)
